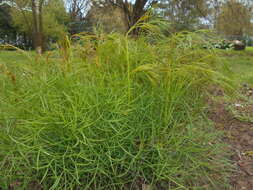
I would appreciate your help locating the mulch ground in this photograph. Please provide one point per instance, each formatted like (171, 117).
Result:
(239, 135)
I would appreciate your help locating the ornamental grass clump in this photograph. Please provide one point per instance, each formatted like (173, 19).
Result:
(113, 112)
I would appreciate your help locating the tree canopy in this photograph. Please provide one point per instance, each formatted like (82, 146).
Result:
(40, 22)
(235, 19)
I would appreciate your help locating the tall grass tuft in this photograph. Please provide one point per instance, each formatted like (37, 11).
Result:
(125, 112)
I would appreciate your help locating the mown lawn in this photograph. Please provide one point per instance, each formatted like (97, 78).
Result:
(241, 63)
(14, 57)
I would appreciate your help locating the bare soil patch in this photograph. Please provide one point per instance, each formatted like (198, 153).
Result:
(239, 135)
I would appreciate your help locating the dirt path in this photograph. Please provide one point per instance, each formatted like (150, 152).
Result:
(240, 138)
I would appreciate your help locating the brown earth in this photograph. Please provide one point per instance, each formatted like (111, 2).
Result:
(239, 135)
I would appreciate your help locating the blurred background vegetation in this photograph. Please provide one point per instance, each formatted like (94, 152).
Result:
(30, 24)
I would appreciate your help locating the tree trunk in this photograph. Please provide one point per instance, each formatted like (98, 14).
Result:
(133, 12)
(38, 40)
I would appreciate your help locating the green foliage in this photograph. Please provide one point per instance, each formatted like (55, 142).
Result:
(109, 17)
(112, 112)
(5, 24)
(221, 44)
(234, 19)
(183, 14)
(22, 20)
(240, 63)
(54, 19)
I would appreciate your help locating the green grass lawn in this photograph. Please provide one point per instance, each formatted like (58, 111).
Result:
(14, 57)
(249, 49)
(241, 63)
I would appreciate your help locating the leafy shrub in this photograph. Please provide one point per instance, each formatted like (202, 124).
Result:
(112, 113)
(224, 45)
(220, 44)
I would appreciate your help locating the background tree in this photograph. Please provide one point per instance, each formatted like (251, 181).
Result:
(77, 10)
(184, 14)
(55, 20)
(7, 30)
(132, 11)
(108, 17)
(38, 36)
(235, 19)
(43, 20)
